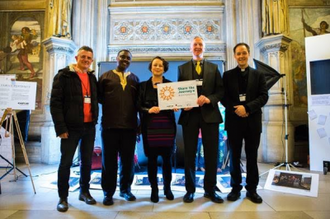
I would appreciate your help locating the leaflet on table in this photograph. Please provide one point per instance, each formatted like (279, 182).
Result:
(181, 94)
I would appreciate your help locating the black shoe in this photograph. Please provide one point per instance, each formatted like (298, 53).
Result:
(214, 197)
(128, 196)
(154, 195)
(254, 197)
(63, 205)
(169, 195)
(233, 196)
(86, 197)
(107, 201)
(188, 197)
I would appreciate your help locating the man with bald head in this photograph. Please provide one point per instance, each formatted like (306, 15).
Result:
(206, 117)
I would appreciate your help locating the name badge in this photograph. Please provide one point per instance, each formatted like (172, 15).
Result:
(87, 99)
(242, 97)
(199, 82)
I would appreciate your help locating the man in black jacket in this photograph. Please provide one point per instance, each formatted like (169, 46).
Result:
(74, 109)
(205, 117)
(118, 93)
(245, 94)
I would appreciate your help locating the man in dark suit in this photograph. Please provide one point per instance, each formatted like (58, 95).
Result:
(205, 117)
(245, 95)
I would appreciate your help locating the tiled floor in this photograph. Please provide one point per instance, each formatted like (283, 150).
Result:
(18, 201)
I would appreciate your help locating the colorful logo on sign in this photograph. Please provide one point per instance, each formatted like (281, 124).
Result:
(167, 93)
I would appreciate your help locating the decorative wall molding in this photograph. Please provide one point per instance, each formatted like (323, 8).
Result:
(214, 51)
(166, 30)
(164, 2)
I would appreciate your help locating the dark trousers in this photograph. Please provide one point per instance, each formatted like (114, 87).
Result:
(68, 148)
(252, 140)
(122, 142)
(210, 139)
(166, 167)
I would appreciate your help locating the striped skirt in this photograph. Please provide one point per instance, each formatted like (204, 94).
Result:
(161, 131)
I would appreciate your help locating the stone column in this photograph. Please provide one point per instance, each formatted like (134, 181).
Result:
(84, 25)
(59, 54)
(276, 53)
(102, 36)
(231, 33)
(242, 25)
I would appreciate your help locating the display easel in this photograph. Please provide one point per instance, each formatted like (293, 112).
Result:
(11, 117)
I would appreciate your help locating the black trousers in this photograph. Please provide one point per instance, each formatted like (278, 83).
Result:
(252, 140)
(210, 139)
(122, 142)
(166, 168)
(68, 148)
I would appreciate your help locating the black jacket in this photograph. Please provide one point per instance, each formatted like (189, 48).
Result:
(212, 88)
(67, 102)
(256, 98)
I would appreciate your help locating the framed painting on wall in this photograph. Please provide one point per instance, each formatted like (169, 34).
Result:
(304, 22)
(20, 47)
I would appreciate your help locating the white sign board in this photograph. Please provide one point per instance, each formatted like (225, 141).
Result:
(4, 78)
(318, 91)
(5, 145)
(177, 95)
(17, 95)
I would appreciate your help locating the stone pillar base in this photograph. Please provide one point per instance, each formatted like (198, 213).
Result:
(50, 152)
(273, 143)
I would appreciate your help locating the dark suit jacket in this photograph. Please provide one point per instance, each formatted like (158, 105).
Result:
(212, 88)
(256, 98)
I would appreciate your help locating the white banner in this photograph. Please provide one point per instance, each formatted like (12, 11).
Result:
(177, 95)
(5, 144)
(18, 95)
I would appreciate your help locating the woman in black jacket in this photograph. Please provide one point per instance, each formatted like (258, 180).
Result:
(158, 129)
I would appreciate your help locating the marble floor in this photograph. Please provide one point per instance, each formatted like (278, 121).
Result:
(19, 201)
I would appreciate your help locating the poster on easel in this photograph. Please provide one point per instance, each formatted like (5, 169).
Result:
(17, 95)
(5, 144)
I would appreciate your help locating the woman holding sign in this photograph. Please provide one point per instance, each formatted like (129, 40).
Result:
(158, 129)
